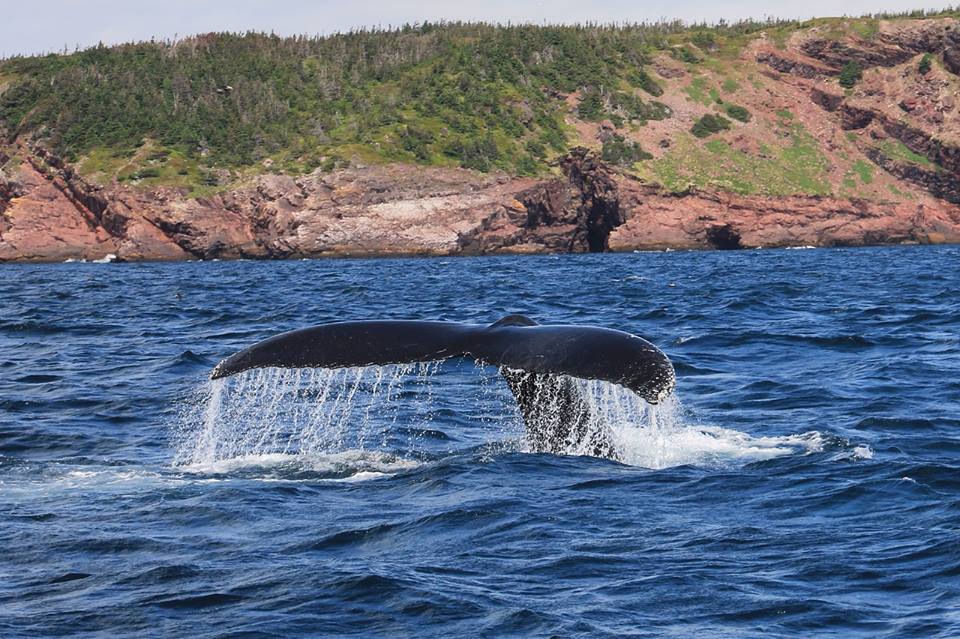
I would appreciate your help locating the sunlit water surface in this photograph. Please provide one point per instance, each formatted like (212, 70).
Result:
(805, 479)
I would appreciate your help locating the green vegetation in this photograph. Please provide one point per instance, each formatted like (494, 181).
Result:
(619, 106)
(430, 95)
(630, 108)
(926, 62)
(417, 141)
(897, 150)
(618, 150)
(705, 40)
(738, 113)
(684, 54)
(591, 106)
(866, 28)
(150, 165)
(893, 189)
(645, 81)
(850, 74)
(465, 94)
(480, 154)
(698, 91)
(204, 112)
(710, 124)
(6, 80)
(798, 167)
(865, 170)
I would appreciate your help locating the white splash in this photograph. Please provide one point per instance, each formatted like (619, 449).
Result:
(340, 422)
(64, 478)
(308, 413)
(661, 436)
(349, 465)
(861, 452)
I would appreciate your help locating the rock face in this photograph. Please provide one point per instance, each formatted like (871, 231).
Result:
(726, 221)
(48, 213)
(792, 64)
(894, 104)
(39, 222)
(573, 214)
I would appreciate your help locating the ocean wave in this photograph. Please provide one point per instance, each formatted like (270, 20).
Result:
(814, 459)
(348, 465)
(708, 446)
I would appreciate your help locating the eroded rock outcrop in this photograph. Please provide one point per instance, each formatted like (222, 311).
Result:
(791, 64)
(54, 215)
(867, 53)
(574, 213)
(728, 221)
(41, 223)
(9, 189)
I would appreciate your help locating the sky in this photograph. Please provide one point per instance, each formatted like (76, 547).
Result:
(34, 27)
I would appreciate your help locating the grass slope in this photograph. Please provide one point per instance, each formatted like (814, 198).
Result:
(205, 111)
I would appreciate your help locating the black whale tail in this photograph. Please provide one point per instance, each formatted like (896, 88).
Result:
(515, 342)
(536, 360)
(348, 344)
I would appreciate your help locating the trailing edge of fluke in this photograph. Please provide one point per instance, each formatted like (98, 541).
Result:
(515, 343)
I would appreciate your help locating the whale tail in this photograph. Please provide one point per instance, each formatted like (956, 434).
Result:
(536, 360)
(557, 415)
(348, 344)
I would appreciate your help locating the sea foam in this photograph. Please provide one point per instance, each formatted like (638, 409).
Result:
(341, 421)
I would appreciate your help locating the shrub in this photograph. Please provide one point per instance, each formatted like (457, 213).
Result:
(925, 63)
(643, 80)
(477, 154)
(851, 74)
(148, 172)
(536, 149)
(684, 55)
(416, 141)
(738, 113)
(527, 165)
(705, 40)
(591, 105)
(710, 124)
(630, 107)
(619, 150)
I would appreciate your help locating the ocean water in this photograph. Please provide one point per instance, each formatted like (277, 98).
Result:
(804, 481)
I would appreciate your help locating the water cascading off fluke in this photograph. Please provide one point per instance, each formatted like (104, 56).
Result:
(304, 412)
(301, 411)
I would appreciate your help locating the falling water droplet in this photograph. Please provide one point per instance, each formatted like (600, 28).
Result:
(391, 409)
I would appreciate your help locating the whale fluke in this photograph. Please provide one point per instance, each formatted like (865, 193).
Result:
(536, 360)
(515, 342)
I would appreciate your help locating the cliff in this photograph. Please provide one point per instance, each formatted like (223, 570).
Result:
(55, 215)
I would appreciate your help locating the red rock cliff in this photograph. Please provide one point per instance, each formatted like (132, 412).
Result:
(49, 213)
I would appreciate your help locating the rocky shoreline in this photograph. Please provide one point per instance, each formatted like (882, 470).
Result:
(52, 214)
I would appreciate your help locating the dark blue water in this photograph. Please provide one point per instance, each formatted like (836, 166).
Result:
(807, 484)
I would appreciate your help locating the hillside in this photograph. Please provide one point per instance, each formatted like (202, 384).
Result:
(834, 131)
